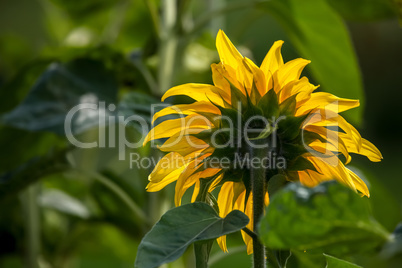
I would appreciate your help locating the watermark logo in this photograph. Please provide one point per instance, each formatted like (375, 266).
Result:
(180, 132)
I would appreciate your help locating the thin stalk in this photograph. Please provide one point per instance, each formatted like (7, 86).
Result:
(168, 44)
(112, 30)
(210, 15)
(32, 226)
(137, 211)
(153, 12)
(257, 175)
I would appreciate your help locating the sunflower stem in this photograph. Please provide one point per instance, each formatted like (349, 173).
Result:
(257, 175)
(202, 249)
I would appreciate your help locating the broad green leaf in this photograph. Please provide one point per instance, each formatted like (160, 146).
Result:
(333, 262)
(302, 259)
(14, 181)
(180, 227)
(139, 104)
(364, 10)
(60, 88)
(320, 35)
(328, 218)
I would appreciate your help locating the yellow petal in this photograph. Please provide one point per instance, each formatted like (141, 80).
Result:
(249, 212)
(183, 145)
(301, 87)
(195, 191)
(220, 77)
(334, 142)
(199, 92)
(256, 75)
(327, 172)
(272, 62)
(229, 74)
(166, 171)
(324, 117)
(191, 124)
(288, 72)
(225, 203)
(366, 148)
(360, 185)
(327, 101)
(308, 180)
(228, 53)
(188, 175)
(187, 109)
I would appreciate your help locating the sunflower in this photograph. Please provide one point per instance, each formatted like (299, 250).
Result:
(208, 141)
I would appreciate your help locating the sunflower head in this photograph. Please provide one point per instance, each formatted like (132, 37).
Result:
(208, 147)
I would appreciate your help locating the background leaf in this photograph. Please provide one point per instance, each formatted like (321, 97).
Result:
(333, 262)
(180, 227)
(320, 35)
(60, 88)
(364, 10)
(329, 218)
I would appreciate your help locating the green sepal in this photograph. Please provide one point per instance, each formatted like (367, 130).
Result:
(211, 200)
(237, 97)
(233, 175)
(268, 130)
(269, 104)
(213, 118)
(301, 163)
(205, 135)
(288, 106)
(308, 137)
(292, 150)
(255, 95)
(275, 183)
(290, 127)
(251, 110)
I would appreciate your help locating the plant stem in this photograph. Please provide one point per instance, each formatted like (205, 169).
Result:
(153, 12)
(168, 44)
(116, 189)
(257, 175)
(32, 226)
(202, 249)
(205, 18)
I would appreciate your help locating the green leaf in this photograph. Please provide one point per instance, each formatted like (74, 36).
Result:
(364, 10)
(137, 103)
(180, 227)
(320, 35)
(14, 181)
(333, 262)
(328, 218)
(265, 133)
(60, 88)
(302, 259)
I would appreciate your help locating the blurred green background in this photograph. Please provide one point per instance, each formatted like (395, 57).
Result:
(62, 206)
